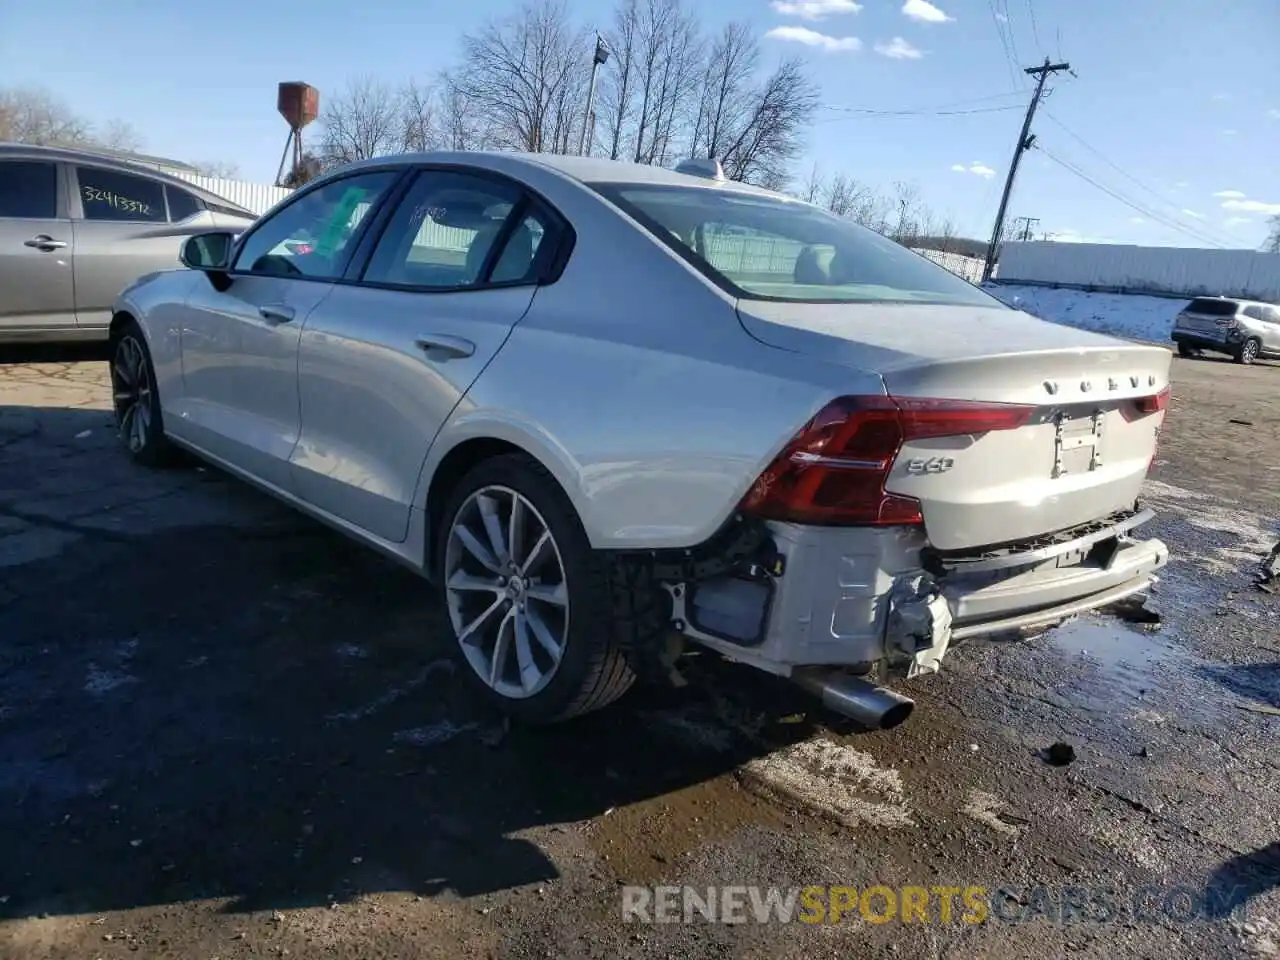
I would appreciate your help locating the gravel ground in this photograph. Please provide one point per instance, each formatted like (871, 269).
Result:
(224, 732)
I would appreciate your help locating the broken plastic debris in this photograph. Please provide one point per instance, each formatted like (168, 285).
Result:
(82, 434)
(1058, 754)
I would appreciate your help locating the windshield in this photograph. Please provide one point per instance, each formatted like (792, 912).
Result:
(763, 248)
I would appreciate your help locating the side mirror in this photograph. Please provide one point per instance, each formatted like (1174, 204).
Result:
(209, 252)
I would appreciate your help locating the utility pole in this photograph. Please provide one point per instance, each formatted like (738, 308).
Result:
(601, 55)
(1026, 226)
(1025, 140)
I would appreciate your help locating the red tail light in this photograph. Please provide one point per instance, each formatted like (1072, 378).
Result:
(834, 470)
(1143, 406)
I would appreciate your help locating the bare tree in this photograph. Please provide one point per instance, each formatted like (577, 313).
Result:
(811, 190)
(754, 128)
(460, 127)
(219, 169)
(617, 93)
(668, 50)
(525, 77)
(361, 121)
(419, 123)
(34, 115)
(1272, 243)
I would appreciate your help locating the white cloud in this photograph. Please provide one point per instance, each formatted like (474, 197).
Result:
(1229, 195)
(812, 38)
(814, 9)
(1252, 206)
(1137, 220)
(1222, 96)
(1193, 213)
(924, 11)
(1236, 221)
(1229, 132)
(1002, 18)
(899, 49)
(977, 168)
(1181, 185)
(1273, 114)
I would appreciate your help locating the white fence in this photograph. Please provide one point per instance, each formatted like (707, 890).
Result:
(257, 197)
(1173, 271)
(968, 268)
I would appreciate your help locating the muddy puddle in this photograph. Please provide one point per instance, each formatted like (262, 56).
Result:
(1111, 666)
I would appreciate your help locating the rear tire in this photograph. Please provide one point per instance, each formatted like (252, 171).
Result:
(529, 601)
(135, 399)
(1248, 351)
(1186, 350)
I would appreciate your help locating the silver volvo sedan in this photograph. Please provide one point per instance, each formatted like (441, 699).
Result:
(611, 410)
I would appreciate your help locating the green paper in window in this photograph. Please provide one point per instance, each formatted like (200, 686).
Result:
(335, 230)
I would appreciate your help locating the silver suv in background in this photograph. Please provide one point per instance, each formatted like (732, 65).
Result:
(76, 228)
(1244, 329)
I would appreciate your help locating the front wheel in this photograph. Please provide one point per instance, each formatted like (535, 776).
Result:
(1248, 351)
(136, 400)
(527, 596)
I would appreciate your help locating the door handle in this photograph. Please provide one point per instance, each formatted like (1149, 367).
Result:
(443, 343)
(43, 241)
(276, 313)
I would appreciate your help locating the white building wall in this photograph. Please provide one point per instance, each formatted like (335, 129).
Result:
(257, 197)
(1174, 271)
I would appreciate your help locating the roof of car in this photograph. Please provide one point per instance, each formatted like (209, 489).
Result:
(118, 160)
(583, 169)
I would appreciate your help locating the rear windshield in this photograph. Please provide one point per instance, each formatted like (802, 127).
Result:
(1213, 307)
(762, 248)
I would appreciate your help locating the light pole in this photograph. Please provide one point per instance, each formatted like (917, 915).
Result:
(601, 55)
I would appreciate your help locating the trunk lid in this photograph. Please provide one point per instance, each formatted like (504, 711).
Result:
(1082, 455)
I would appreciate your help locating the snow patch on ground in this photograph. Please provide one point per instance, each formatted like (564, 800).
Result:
(1119, 314)
(1222, 537)
(837, 780)
(986, 808)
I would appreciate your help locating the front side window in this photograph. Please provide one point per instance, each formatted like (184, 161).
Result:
(768, 248)
(444, 233)
(312, 236)
(28, 189)
(121, 197)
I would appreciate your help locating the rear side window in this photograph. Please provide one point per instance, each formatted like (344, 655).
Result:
(445, 234)
(182, 204)
(123, 197)
(1213, 307)
(28, 189)
(1271, 314)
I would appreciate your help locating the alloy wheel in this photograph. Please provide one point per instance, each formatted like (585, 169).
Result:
(1249, 351)
(131, 393)
(506, 590)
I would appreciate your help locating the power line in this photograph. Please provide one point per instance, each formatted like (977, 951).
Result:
(914, 113)
(1113, 165)
(1035, 31)
(1008, 25)
(1131, 204)
(922, 111)
(1004, 42)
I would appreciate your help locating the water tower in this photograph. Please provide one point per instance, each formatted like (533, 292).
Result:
(299, 104)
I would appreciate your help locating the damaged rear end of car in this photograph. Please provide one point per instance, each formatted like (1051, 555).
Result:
(981, 493)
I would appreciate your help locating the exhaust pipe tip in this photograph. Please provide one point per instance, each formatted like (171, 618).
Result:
(877, 708)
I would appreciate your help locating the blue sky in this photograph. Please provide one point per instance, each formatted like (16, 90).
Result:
(1175, 107)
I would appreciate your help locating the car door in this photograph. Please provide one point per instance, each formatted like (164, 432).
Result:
(240, 344)
(1271, 329)
(385, 359)
(122, 231)
(37, 287)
